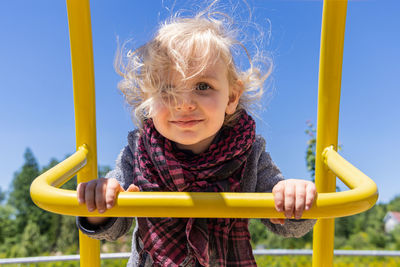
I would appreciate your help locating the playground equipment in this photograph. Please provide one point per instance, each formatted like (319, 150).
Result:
(329, 204)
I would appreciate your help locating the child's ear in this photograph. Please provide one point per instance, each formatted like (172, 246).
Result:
(234, 97)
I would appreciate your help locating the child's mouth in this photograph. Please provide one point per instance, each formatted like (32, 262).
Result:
(186, 124)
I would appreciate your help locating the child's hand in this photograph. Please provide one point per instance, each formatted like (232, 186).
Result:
(293, 197)
(101, 194)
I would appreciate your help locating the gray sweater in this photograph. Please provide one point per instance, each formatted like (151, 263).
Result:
(261, 175)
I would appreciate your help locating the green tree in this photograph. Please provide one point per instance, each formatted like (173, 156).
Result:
(358, 240)
(2, 195)
(258, 231)
(28, 217)
(394, 205)
(7, 227)
(311, 147)
(395, 238)
(68, 236)
(32, 241)
(25, 229)
(260, 236)
(362, 231)
(19, 197)
(344, 227)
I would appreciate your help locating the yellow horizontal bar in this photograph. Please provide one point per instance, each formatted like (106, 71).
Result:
(362, 196)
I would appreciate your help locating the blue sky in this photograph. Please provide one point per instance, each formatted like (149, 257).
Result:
(36, 102)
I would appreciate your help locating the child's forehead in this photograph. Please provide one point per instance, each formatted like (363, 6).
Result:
(214, 70)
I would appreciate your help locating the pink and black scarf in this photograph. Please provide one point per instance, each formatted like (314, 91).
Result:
(159, 166)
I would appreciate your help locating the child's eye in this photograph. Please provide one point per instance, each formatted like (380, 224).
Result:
(203, 86)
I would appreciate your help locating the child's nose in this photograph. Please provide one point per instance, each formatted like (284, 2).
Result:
(185, 102)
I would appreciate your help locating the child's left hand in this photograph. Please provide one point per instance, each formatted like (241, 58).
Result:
(293, 196)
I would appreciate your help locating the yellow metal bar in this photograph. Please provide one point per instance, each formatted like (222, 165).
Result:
(353, 178)
(362, 196)
(85, 110)
(330, 73)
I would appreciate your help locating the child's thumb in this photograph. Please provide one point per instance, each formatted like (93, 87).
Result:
(133, 188)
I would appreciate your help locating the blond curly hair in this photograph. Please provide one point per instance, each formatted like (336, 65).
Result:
(187, 46)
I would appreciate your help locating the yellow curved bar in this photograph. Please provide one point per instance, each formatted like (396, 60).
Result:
(56, 177)
(363, 195)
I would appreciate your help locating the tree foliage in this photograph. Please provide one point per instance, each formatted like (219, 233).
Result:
(310, 150)
(2, 195)
(25, 229)
(19, 197)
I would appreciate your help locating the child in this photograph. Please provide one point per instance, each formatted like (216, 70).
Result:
(194, 135)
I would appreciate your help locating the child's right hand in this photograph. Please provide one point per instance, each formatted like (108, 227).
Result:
(293, 197)
(100, 194)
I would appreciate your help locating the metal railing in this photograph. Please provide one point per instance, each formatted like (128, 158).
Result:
(258, 252)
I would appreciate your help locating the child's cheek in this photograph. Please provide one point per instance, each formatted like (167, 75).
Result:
(157, 106)
(159, 110)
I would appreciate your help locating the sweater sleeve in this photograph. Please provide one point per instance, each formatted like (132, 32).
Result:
(114, 228)
(268, 175)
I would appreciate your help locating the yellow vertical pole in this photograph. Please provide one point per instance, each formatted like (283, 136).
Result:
(85, 109)
(330, 75)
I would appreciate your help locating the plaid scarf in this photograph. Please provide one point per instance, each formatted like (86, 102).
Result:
(159, 166)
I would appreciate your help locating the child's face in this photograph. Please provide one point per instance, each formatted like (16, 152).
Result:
(198, 114)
